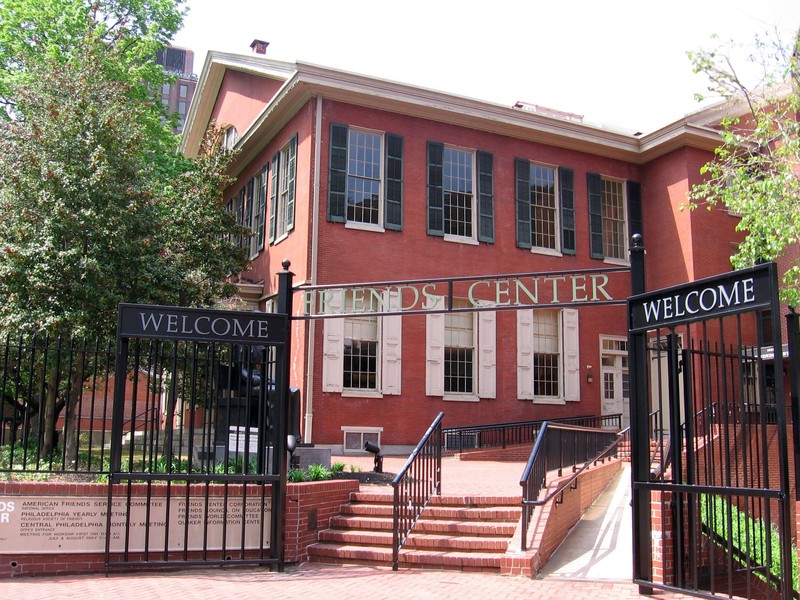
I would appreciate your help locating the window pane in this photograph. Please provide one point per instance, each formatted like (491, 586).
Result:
(360, 348)
(458, 196)
(544, 210)
(546, 353)
(364, 176)
(459, 342)
(613, 219)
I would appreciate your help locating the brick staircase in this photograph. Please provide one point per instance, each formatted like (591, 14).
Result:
(458, 533)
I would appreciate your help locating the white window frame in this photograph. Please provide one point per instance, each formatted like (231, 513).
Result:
(450, 237)
(377, 227)
(614, 260)
(372, 433)
(390, 352)
(284, 175)
(555, 250)
(569, 367)
(484, 355)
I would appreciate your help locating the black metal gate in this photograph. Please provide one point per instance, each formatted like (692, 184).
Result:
(711, 497)
(199, 436)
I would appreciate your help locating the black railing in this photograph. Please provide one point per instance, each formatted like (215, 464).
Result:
(415, 484)
(56, 404)
(501, 435)
(559, 447)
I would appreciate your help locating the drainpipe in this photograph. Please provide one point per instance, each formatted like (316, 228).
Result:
(311, 329)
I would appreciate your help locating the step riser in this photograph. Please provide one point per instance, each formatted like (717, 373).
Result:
(465, 534)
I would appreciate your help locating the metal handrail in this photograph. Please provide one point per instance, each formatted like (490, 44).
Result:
(579, 457)
(501, 435)
(415, 484)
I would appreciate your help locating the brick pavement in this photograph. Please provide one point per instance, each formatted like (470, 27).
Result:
(322, 582)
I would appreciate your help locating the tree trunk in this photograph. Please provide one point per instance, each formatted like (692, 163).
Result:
(47, 439)
(73, 402)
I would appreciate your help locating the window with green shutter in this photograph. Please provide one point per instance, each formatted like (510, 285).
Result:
(365, 178)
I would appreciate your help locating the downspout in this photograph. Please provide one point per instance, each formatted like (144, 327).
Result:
(311, 329)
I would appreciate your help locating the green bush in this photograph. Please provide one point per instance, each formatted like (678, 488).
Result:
(749, 536)
(318, 473)
(295, 476)
(337, 467)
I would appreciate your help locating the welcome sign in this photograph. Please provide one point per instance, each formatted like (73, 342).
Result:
(737, 292)
(203, 325)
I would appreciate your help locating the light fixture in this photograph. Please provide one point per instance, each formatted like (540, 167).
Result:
(291, 446)
(376, 450)
(589, 378)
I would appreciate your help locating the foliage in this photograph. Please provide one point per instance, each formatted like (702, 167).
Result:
(749, 536)
(318, 473)
(337, 467)
(755, 169)
(295, 475)
(96, 205)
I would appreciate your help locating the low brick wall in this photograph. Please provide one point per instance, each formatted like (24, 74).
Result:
(309, 507)
(552, 522)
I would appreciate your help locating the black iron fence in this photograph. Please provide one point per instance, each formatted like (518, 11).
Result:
(190, 407)
(502, 435)
(57, 397)
(415, 484)
(560, 447)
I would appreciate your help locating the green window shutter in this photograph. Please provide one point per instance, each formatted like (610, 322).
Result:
(485, 198)
(635, 222)
(273, 198)
(337, 174)
(249, 213)
(262, 206)
(291, 185)
(393, 193)
(595, 215)
(566, 193)
(435, 189)
(523, 196)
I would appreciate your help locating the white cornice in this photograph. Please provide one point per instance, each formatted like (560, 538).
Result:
(304, 81)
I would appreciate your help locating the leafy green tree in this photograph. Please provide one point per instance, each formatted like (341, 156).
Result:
(756, 170)
(96, 205)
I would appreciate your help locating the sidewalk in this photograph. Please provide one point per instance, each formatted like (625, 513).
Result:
(373, 583)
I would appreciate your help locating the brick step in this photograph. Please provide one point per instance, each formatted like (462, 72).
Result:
(474, 528)
(467, 501)
(417, 541)
(485, 514)
(354, 554)
(462, 533)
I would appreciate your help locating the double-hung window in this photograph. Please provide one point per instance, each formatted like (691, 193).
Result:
(257, 198)
(365, 186)
(282, 198)
(615, 214)
(362, 353)
(547, 355)
(460, 194)
(461, 352)
(545, 208)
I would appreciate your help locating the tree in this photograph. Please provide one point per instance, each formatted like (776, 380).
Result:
(756, 169)
(96, 205)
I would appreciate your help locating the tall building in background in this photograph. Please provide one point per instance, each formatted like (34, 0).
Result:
(178, 95)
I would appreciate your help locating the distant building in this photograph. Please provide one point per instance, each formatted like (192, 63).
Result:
(178, 96)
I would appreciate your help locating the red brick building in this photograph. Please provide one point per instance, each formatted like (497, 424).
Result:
(357, 179)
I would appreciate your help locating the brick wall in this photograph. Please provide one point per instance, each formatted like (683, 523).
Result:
(309, 507)
(552, 522)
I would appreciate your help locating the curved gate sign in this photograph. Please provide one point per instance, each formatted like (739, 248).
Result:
(740, 291)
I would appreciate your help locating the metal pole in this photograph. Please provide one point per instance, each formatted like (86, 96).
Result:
(280, 457)
(639, 433)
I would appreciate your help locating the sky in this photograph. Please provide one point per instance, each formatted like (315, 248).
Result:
(617, 63)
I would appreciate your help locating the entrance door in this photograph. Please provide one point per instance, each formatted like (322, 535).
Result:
(614, 378)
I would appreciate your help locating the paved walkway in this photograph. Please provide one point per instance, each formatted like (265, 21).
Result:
(324, 582)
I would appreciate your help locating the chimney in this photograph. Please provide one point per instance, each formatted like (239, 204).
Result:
(259, 46)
